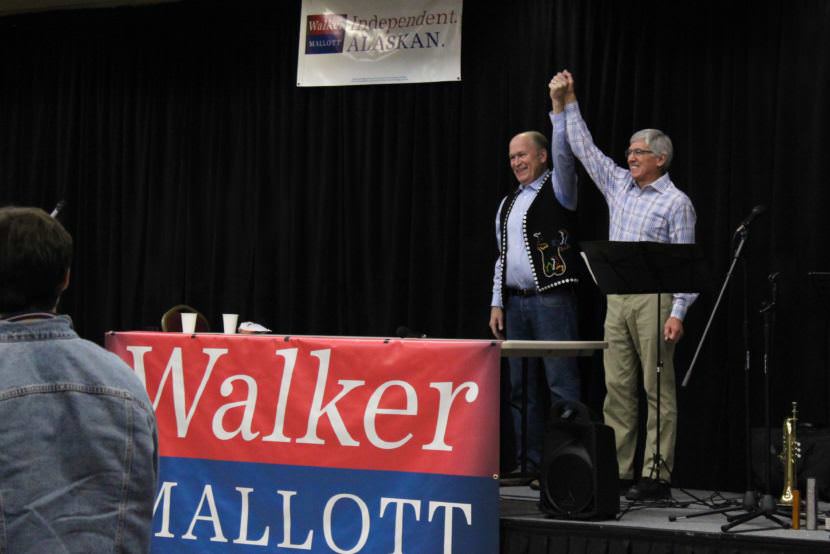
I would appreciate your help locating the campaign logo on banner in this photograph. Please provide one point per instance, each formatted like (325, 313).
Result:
(321, 444)
(324, 34)
(379, 41)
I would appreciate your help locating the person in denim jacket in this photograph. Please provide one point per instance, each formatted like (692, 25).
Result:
(78, 441)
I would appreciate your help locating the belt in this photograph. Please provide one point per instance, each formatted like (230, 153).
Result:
(524, 292)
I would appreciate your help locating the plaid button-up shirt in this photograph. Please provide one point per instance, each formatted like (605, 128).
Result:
(659, 212)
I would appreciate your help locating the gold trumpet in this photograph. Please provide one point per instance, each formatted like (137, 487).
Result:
(790, 453)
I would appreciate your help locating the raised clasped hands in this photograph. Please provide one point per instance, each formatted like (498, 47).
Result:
(561, 88)
(557, 87)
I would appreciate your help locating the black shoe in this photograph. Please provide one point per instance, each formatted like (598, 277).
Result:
(649, 489)
(624, 485)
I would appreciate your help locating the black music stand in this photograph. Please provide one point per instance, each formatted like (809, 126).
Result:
(821, 282)
(647, 268)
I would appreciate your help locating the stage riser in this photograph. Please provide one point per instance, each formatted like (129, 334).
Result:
(563, 537)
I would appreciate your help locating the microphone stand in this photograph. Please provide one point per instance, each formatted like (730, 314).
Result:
(750, 498)
(743, 233)
(767, 507)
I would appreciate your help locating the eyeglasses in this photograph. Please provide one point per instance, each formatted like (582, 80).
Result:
(637, 152)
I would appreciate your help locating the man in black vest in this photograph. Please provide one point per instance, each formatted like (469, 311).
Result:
(535, 273)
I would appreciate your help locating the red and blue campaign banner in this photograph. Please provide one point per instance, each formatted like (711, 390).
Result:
(321, 444)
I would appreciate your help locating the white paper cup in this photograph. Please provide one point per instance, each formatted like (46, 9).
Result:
(188, 323)
(229, 323)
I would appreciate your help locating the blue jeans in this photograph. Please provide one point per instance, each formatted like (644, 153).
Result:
(550, 316)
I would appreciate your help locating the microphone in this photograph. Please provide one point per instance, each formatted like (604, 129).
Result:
(405, 332)
(58, 207)
(756, 211)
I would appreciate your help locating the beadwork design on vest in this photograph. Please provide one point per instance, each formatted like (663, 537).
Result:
(551, 260)
(553, 264)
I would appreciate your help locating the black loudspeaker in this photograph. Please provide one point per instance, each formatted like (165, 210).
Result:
(579, 473)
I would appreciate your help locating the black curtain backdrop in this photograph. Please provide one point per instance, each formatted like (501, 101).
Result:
(196, 171)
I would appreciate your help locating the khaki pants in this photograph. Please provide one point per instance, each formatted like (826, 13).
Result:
(631, 327)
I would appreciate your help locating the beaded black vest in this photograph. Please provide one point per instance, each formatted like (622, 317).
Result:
(548, 233)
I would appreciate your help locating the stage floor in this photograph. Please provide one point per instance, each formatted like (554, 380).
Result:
(646, 527)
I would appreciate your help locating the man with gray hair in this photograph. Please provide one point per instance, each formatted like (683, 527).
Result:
(643, 205)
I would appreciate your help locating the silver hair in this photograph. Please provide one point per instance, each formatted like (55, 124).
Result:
(658, 141)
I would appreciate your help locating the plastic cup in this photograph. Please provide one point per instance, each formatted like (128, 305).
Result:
(229, 323)
(188, 323)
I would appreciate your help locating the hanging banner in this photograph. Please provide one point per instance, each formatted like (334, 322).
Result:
(364, 42)
(272, 444)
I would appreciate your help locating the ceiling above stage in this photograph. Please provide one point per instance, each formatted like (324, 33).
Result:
(10, 7)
